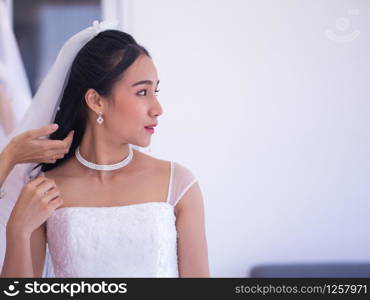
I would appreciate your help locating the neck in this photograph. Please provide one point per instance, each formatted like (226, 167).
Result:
(99, 149)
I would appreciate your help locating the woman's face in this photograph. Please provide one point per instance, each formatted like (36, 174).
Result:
(133, 104)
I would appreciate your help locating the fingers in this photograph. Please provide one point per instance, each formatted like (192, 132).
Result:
(58, 145)
(42, 131)
(35, 182)
(45, 186)
(69, 138)
(51, 194)
(50, 161)
(55, 203)
(55, 149)
(52, 156)
(48, 192)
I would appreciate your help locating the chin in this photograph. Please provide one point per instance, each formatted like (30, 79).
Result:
(142, 144)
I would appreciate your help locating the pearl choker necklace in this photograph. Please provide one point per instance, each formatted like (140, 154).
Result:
(116, 166)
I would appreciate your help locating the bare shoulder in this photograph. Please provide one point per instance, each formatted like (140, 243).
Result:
(189, 193)
(63, 170)
(153, 163)
(156, 172)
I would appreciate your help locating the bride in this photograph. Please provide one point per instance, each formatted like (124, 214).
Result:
(105, 209)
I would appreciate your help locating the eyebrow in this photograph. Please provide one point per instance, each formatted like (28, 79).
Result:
(149, 82)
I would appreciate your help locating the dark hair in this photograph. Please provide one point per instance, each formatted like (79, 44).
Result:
(98, 65)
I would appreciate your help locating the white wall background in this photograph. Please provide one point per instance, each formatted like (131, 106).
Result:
(271, 113)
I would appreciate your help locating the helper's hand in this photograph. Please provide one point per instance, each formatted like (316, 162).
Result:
(36, 202)
(31, 147)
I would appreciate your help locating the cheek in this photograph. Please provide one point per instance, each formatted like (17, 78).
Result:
(128, 112)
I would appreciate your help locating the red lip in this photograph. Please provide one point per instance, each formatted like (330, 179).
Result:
(151, 130)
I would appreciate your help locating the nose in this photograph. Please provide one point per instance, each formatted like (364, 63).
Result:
(156, 110)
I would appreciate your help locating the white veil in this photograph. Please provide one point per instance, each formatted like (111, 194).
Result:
(42, 112)
(13, 78)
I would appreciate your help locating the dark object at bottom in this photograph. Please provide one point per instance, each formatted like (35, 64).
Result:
(312, 270)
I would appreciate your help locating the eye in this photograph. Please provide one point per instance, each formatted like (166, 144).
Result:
(140, 93)
(145, 91)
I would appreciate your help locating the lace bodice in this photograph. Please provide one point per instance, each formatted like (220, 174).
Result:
(138, 240)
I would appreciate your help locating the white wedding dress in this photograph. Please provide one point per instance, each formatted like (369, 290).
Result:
(138, 240)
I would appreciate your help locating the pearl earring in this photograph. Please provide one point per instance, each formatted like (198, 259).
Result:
(100, 119)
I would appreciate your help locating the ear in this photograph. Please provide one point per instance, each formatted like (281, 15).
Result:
(94, 101)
